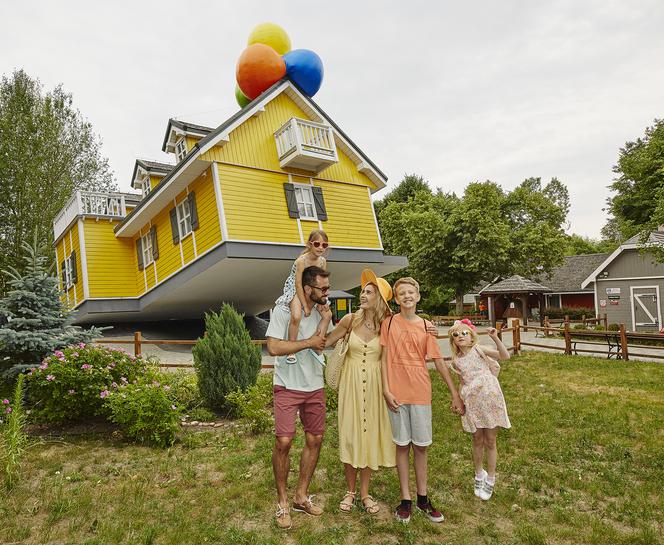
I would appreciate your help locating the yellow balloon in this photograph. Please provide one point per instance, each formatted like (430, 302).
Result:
(272, 35)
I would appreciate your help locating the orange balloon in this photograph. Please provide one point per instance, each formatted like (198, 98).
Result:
(258, 67)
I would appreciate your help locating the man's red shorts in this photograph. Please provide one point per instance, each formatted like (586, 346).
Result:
(310, 405)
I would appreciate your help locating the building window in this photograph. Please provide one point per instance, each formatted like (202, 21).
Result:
(146, 248)
(184, 218)
(146, 186)
(180, 149)
(305, 202)
(69, 277)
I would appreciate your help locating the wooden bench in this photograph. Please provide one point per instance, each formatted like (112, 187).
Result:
(610, 340)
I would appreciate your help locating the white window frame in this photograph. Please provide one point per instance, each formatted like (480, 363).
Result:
(146, 250)
(304, 196)
(69, 277)
(146, 186)
(184, 219)
(180, 149)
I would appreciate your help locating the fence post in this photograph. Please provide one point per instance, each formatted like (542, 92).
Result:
(546, 326)
(516, 336)
(568, 339)
(623, 342)
(567, 318)
(137, 343)
(583, 319)
(499, 329)
(606, 322)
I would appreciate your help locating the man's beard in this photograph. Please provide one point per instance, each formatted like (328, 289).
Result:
(322, 301)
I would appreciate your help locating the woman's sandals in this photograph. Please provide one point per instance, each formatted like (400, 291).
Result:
(370, 505)
(347, 503)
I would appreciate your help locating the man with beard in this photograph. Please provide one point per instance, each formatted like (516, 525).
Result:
(298, 388)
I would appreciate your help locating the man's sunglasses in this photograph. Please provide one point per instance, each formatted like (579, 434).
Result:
(319, 244)
(463, 333)
(322, 290)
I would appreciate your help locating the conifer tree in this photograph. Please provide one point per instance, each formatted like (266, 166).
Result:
(225, 359)
(38, 323)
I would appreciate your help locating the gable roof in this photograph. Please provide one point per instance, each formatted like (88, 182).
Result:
(154, 168)
(180, 173)
(514, 284)
(569, 276)
(655, 238)
(184, 127)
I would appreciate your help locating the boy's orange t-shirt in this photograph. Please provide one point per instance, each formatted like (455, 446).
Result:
(409, 346)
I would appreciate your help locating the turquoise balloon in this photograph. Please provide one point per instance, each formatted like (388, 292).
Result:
(305, 69)
(242, 100)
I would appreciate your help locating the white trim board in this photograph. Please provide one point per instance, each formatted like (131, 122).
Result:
(631, 301)
(593, 275)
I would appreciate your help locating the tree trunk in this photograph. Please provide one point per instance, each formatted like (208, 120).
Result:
(459, 302)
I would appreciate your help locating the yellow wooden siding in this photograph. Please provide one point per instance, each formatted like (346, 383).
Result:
(350, 215)
(59, 257)
(252, 144)
(255, 205)
(111, 261)
(78, 286)
(209, 232)
(154, 181)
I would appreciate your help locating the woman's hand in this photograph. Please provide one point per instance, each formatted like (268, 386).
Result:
(391, 401)
(458, 406)
(493, 333)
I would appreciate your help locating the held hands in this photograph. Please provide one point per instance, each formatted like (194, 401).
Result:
(317, 341)
(324, 311)
(457, 406)
(391, 401)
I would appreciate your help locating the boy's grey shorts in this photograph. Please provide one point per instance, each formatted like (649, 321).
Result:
(412, 424)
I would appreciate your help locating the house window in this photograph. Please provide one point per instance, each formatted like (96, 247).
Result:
(69, 277)
(146, 187)
(180, 149)
(184, 218)
(305, 202)
(146, 248)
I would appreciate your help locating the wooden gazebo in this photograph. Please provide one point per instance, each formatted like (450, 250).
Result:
(513, 297)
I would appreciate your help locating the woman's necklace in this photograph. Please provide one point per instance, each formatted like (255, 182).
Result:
(370, 326)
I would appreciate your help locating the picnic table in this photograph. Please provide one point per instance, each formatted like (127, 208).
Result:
(609, 339)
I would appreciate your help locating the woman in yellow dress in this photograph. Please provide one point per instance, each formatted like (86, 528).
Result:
(365, 435)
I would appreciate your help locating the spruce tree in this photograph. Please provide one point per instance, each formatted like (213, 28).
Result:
(38, 323)
(225, 359)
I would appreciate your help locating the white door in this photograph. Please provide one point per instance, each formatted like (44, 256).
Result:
(646, 313)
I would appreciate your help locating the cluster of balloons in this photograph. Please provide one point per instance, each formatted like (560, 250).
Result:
(268, 58)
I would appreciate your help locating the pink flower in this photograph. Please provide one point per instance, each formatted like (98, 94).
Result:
(50, 377)
(155, 383)
(124, 380)
(173, 407)
(59, 354)
(167, 387)
(8, 410)
(86, 366)
(81, 345)
(43, 365)
(5, 402)
(114, 384)
(71, 392)
(104, 393)
(74, 354)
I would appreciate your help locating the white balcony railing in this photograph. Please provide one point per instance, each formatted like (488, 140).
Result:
(305, 144)
(87, 203)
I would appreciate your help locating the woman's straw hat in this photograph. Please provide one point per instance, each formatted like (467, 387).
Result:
(384, 288)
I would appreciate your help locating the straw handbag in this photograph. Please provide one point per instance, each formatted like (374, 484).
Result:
(335, 362)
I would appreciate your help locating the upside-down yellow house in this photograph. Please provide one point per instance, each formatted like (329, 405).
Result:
(226, 220)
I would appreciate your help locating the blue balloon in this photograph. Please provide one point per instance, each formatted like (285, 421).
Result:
(305, 69)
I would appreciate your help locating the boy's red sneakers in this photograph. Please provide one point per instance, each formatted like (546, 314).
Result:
(431, 512)
(403, 512)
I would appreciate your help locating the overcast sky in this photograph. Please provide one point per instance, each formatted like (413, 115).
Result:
(454, 91)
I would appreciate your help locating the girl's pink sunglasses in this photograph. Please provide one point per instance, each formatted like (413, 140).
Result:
(319, 244)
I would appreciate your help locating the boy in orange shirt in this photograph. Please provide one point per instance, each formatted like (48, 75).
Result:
(407, 390)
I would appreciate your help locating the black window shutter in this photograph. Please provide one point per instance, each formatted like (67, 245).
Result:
(291, 201)
(139, 253)
(192, 210)
(74, 272)
(174, 226)
(321, 212)
(64, 275)
(155, 246)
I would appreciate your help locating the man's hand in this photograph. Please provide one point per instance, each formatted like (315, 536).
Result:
(317, 341)
(324, 311)
(391, 401)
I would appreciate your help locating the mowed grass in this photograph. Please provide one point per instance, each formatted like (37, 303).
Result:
(583, 464)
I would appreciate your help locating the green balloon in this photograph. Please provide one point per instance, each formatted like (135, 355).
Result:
(239, 96)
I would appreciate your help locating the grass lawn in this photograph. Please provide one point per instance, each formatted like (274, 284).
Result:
(583, 464)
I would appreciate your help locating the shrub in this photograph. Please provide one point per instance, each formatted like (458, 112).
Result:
(72, 383)
(613, 327)
(145, 412)
(13, 439)
(184, 388)
(225, 360)
(254, 404)
(574, 313)
(201, 414)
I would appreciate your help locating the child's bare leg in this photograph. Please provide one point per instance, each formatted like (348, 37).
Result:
(420, 463)
(478, 451)
(403, 470)
(296, 316)
(491, 451)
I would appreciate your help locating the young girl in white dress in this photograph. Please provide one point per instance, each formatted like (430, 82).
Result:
(293, 298)
(481, 393)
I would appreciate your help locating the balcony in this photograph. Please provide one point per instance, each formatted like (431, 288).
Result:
(306, 145)
(99, 205)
